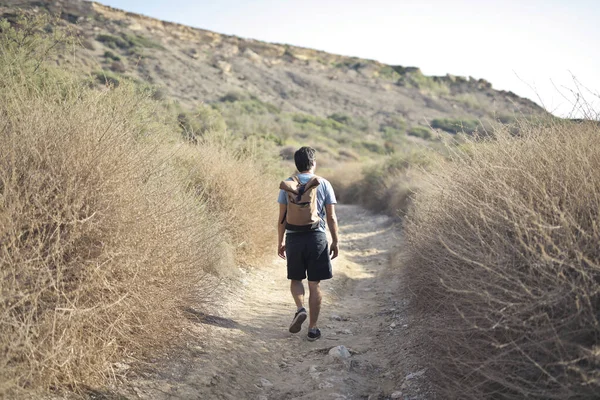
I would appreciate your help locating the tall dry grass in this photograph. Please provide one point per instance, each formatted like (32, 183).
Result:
(385, 186)
(101, 238)
(239, 191)
(503, 257)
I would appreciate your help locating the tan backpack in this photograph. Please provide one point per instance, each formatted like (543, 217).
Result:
(302, 213)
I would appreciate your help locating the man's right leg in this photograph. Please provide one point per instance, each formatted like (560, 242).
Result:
(314, 303)
(297, 289)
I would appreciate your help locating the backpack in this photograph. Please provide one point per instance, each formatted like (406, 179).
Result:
(302, 213)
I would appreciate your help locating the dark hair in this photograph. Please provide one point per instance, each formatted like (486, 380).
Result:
(304, 158)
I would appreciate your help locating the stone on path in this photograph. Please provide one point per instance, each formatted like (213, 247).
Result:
(414, 375)
(265, 383)
(396, 395)
(340, 352)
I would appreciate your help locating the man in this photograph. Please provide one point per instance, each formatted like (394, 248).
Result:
(307, 251)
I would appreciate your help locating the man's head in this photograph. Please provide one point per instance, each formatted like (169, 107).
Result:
(305, 158)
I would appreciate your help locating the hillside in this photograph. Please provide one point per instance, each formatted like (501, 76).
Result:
(291, 94)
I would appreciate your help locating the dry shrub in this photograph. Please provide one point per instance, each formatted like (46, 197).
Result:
(99, 241)
(385, 186)
(504, 260)
(344, 178)
(236, 188)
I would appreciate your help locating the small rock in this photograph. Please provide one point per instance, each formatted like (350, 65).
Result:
(314, 373)
(335, 317)
(338, 396)
(346, 331)
(224, 66)
(121, 367)
(325, 385)
(396, 395)
(393, 325)
(415, 374)
(265, 383)
(339, 352)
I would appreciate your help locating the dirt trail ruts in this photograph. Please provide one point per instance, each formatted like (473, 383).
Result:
(244, 349)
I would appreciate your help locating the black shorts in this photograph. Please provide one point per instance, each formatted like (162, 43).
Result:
(307, 253)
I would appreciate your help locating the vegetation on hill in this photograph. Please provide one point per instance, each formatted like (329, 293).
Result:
(285, 94)
(110, 221)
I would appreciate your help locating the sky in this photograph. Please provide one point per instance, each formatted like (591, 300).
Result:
(543, 50)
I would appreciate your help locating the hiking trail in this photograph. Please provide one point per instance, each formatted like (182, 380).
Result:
(242, 348)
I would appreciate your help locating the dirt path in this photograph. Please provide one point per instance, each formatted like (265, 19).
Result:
(245, 351)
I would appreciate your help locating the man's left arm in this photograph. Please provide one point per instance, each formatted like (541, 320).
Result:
(332, 222)
(333, 229)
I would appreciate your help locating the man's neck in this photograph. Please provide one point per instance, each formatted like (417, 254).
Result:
(310, 171)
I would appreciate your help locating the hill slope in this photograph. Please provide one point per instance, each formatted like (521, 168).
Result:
(358, 102)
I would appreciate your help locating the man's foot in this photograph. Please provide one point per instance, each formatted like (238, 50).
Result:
(299, 319)
(313, 334)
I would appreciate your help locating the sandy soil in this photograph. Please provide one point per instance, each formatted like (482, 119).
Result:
(241, 347)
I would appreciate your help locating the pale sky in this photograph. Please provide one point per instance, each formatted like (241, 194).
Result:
(531, 47)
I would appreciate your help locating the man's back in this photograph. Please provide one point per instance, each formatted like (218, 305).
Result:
(325, 196)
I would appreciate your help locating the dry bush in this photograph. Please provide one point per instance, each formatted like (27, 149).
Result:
(99, 241)
(344, 178)
(504, 261)
(236, 188)
(385, 186)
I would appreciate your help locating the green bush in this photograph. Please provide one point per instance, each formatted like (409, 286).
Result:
(373, 147)
(108, 78)
(341, 118)
(113, 41)
(393, 128)
(427, 84)
(388, 72)
(244, 103)
(127, 41)
(203, 120)
(420, 131)
(453, 125)
(308, 121)
(232, 97)
(141, 41)
(109, 54)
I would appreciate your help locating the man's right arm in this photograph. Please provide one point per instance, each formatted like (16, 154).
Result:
(333, 229)
(281, 231)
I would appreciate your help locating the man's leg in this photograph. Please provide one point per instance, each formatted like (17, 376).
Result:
(297, 289)
(314, 302)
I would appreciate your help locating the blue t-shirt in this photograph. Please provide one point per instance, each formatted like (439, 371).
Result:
(325, 196)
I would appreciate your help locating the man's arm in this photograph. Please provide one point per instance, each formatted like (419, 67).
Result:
(281, 231)
(333, 229)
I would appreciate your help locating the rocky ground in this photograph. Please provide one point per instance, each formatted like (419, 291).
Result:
(241, 347)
